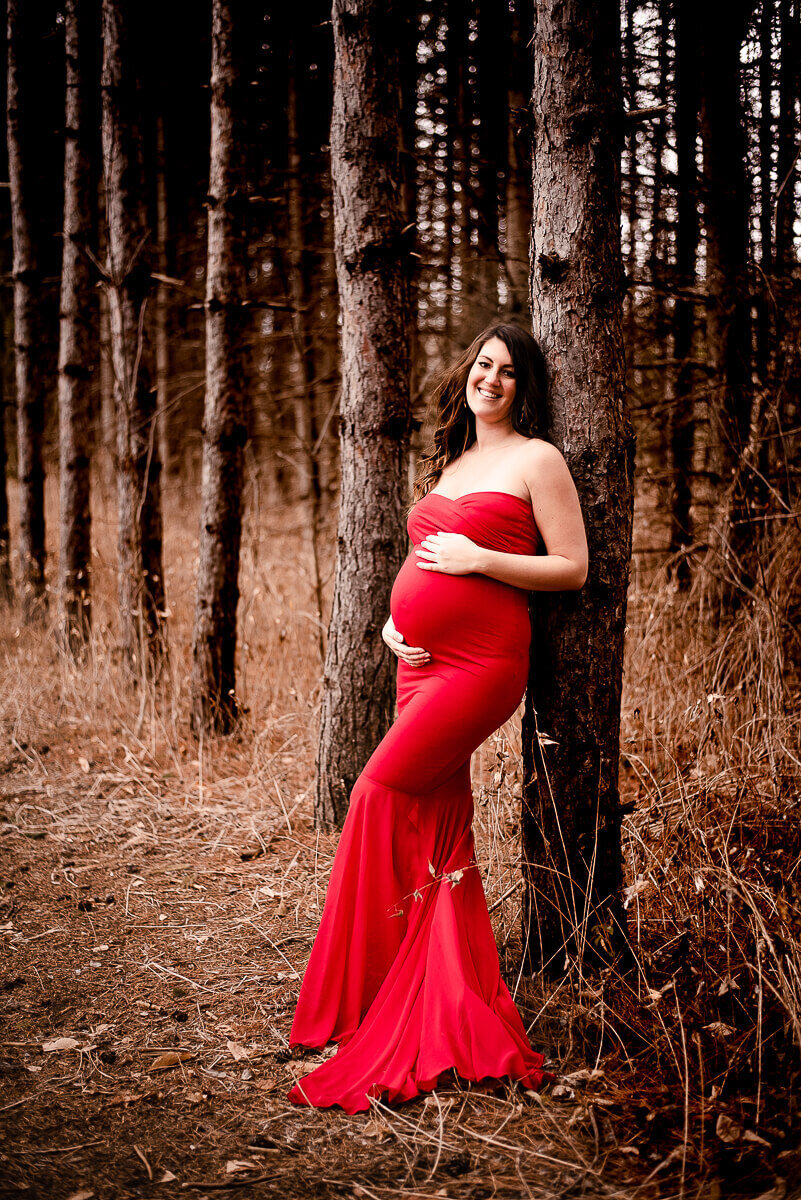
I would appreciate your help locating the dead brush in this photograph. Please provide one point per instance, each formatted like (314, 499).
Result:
(713, 853)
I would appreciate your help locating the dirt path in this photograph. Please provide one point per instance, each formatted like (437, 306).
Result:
(152, 949)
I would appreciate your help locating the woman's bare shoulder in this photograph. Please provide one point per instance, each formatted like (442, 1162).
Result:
(537, 453)
(544, 468)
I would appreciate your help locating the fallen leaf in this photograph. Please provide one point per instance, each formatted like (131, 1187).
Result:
(83, 763)
(269, 1084)
(719, 1029)
(750, 1136)
(235, 1166)
(727, 1130)
(62, 1043)
(166, 1177)
(236, 1051)
(172, 1058)
(375, 1129)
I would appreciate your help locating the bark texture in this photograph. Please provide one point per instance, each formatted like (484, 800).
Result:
(518, 170)
(73, 352)
(571, 810)
(20, 97)
(681, 419)
(225, 424)
(372, 273)
(6, 582)
(726, 195)
(141, 582)
(163, 418)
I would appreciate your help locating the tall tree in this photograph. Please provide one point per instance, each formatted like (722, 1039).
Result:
(141, 579)
(764, 338)
(492, 100)
(458, 150)
(160, 333)
(27, 303)
(225, 421)
(787, 131)
(518, 169)
(372, 273)
(726, 225)
(73, 358)
(681, 422)
(787, 286)
(6, 583)
(571, 813)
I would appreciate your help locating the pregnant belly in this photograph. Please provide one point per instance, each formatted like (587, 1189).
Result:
(468, 617)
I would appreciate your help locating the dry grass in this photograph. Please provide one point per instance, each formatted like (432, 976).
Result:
(682, 1070)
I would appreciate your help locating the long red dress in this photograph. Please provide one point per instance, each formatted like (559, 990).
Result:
(404, 971)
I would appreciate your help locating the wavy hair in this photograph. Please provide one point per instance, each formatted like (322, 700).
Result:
(456, 425)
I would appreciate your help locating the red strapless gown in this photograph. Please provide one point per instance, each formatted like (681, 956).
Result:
(404, 971)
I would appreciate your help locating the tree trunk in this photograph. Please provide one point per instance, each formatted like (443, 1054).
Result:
(632, 178)
(682, 430)
(141, 581)
(786, 282)
(518, 171)
(372, 273)
(302, 373)
(726, 223)
(492, 43)
(764, 339)
(571, 811)
(304, 282)
(27, 309)
(108, 413)
(407, 101)
(6, 583)
(786, 134)
(225, 421)
(160, 325)
(459, 141)
(73, 356)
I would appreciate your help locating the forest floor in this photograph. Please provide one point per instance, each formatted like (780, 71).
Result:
(159, 899)
(153, 949)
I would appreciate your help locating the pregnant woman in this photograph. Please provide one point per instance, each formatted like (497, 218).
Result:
(404, 971)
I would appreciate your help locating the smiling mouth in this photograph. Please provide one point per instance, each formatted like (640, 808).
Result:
(489, 395)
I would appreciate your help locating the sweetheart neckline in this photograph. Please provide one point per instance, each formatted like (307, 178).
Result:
(484, 492)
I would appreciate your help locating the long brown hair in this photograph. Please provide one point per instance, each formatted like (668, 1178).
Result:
(456, 425)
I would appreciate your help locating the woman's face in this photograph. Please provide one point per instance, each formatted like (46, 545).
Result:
(491, 385)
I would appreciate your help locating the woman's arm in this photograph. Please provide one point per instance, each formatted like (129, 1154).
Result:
(557, 512)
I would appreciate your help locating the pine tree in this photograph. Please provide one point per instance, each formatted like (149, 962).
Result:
(571, 814)
(225, 423)
(372, 272)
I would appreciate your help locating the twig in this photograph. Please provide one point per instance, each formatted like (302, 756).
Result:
(67, 1149)
(245, 1181)
(141, 1155)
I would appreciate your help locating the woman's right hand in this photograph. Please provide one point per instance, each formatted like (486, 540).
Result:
(414, 656)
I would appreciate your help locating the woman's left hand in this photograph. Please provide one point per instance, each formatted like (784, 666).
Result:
(451, 553)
